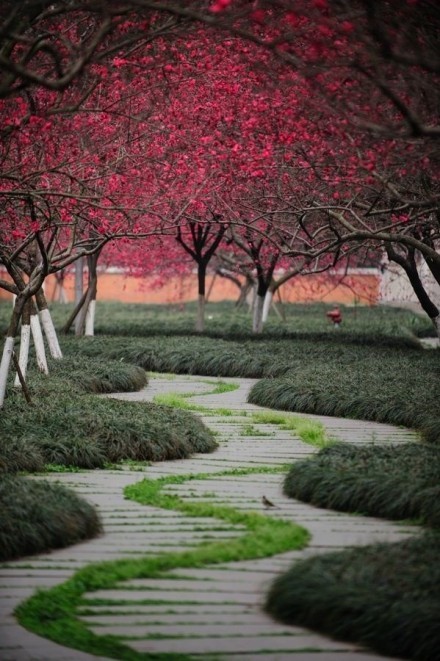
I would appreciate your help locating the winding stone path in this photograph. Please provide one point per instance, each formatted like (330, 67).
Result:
(211, 612)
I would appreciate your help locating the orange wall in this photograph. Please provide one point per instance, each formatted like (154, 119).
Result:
(360, 288)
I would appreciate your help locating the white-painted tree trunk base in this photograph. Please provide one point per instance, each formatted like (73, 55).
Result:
(266, 306)
(90, 319)
(252, 299)
(257, 322)
(51, 334)
(40, 351)
(25, 342)
(200, 323)
(5, 364)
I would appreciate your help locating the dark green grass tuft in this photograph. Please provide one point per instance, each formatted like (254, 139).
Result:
(66, 426)
(101, 375)
(94, 374)
(88, 432)
(394, 482)
(384, 596)
(37, 516)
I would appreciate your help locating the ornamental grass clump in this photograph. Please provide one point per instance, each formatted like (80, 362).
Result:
(97, 374)
(393, 482)
(84, 431)
(36, 516)
(383, 596)
(69, 427)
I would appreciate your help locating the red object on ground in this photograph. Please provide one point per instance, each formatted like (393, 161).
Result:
(335, 316)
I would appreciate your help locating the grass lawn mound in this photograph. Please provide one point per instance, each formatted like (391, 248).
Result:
(384, 596)
(38, 516)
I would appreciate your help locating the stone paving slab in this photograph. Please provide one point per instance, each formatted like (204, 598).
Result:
(219, 599)
(228, 630)
(235, 619)
(341, 655)
(244, 644)
(176, 596)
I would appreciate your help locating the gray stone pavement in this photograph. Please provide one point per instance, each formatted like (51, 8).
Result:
(213, 610)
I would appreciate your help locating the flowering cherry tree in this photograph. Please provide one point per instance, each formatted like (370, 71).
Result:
(336, 101)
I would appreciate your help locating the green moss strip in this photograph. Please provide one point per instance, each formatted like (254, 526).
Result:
(309, 431)
(52, 613)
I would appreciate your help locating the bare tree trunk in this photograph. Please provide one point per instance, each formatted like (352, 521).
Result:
(409, 265)
(59, 295)
(245, 289)
(73, 316)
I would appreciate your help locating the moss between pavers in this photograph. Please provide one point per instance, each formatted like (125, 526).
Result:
(53, 613)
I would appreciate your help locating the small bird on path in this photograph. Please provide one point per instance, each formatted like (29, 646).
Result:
(267, 503)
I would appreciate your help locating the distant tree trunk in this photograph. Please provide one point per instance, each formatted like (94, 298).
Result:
(66, 328)
(84, 313)
(202, 251)
(269, 302)
(59, 294)
(211, 287)
(264, 279)
(245, 290)
(409, 265)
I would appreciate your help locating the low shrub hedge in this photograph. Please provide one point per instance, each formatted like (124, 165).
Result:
(87, 432)
(36, 516)
(384, 596)
(69, 427)
(393, 482)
